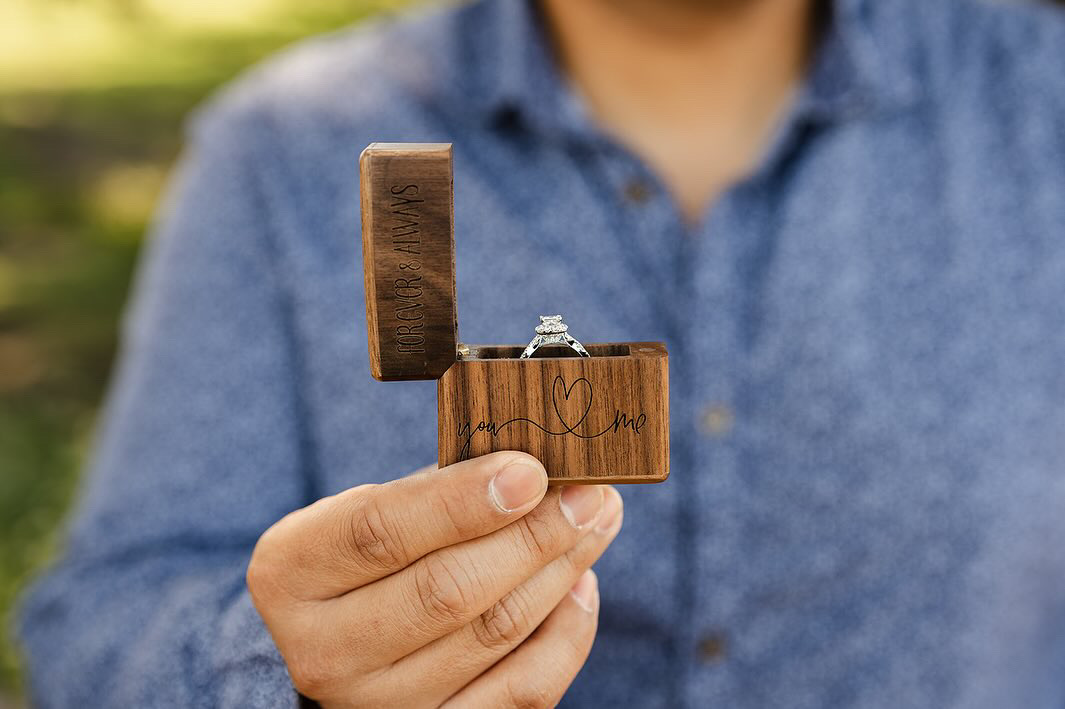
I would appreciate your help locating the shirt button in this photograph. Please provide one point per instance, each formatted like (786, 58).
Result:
(712, 647)
(637, 191)
(717, 420)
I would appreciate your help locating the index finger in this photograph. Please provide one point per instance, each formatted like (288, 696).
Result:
(368, 532)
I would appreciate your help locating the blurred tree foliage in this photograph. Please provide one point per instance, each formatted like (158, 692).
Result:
(92, 97)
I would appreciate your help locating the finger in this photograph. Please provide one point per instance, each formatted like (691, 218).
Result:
(472, 649)
(366, 533)
(431, 468)
(450, 587)
(542, 668)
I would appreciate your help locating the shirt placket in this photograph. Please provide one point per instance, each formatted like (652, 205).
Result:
(712, 312)
(657, 245)
(694, 278)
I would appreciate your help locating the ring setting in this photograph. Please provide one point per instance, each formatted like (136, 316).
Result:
(552, 331)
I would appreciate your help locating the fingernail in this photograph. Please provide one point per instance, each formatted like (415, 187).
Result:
(517, 485)
(611, 516)
(581, 504)
(585, 590)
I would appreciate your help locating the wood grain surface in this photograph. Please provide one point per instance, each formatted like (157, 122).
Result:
(597, 419)
(408, 251)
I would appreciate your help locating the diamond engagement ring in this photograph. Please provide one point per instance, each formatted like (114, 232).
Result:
(552, 331)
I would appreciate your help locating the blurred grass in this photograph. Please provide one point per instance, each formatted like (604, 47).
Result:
(92, 97)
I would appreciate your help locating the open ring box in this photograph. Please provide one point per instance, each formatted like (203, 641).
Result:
(597, 419)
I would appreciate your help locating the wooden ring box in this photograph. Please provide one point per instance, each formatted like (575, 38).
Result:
(598, 419)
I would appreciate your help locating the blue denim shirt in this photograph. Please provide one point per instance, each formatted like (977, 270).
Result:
(867, 339)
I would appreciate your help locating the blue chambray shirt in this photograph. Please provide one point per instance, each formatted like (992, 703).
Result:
(867, 339)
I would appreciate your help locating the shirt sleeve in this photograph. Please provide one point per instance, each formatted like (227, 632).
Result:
(200, 449)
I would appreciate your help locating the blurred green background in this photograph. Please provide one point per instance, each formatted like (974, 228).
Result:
(92, 98)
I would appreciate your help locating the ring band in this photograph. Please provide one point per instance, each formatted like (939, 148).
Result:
(552, 331)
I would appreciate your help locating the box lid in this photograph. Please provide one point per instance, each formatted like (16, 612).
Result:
(408, 252)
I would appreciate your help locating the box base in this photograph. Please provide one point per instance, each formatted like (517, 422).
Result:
(598, 419)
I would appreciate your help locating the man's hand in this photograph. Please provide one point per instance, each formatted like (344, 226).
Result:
(466, 586)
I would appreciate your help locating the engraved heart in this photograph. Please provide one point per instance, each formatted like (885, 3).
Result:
(560, 398)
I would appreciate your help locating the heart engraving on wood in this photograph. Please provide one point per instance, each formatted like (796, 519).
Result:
(559, 390)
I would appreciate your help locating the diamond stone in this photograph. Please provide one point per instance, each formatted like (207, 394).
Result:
(551, 325)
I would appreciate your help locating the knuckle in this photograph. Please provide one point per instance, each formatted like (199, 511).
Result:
(442, 588)
(581, 556)
(258, 574)
(542, 536)
(304, 685)
(372, 539)
(266, 568)
(308, 679)
(580, 643)
(523, 694)
(505, 623)
(454, 516)
(320, 668)
(577, 643)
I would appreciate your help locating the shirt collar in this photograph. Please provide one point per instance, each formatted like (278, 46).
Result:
(859, 68)
(515, 70)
